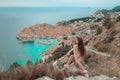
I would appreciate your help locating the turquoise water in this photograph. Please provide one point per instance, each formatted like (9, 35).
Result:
(13, 19)
(32, 51)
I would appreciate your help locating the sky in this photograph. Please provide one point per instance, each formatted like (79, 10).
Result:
(46, 3)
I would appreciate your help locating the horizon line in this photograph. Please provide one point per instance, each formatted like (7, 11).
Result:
(55, 6)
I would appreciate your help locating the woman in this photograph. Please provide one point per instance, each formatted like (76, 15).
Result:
(78, 56)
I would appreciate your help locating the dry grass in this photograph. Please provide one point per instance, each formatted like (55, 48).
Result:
(100, 46)
(57, 74)
(31, 72)
(109, 66)
(106, 42)
(18, 73)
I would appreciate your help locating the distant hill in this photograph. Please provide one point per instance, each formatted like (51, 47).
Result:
(116, 9)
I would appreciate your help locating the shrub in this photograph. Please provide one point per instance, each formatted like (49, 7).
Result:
(62, 23)
(57, 74)
(118, 19)
(99, 30)
(108, 23)
(14, 65)
(85, 19)
(65, 37)
(73, 33)
(98, 20)
(39, 70)
(100, 46)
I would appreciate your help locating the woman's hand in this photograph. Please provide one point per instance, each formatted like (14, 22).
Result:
(66, 66)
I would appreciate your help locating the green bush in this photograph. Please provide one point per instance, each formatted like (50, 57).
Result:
(85, 19)
(73, 33)
(118, 19)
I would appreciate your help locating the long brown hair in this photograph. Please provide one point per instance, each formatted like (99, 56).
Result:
(81, 46)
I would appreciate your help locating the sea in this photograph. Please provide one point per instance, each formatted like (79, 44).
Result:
(14, 19)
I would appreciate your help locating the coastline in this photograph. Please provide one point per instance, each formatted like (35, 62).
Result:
(56, 57)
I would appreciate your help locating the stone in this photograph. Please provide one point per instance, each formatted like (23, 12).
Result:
(44, 78)
(101, 77)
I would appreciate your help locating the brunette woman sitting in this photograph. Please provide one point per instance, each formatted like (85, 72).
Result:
(79, 53)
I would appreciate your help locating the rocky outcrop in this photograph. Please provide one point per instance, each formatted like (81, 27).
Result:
(101, 77)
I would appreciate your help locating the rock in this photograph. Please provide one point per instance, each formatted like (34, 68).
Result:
(58, 53)
(44, 78)
(62, 61)
(101, 77)
(118, 44)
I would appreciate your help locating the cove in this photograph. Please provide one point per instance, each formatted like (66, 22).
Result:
(34, 49)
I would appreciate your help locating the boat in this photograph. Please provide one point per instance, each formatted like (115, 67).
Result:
(43, 42)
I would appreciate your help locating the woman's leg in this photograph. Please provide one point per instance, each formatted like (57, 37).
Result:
(70, 59)
(79, 63)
